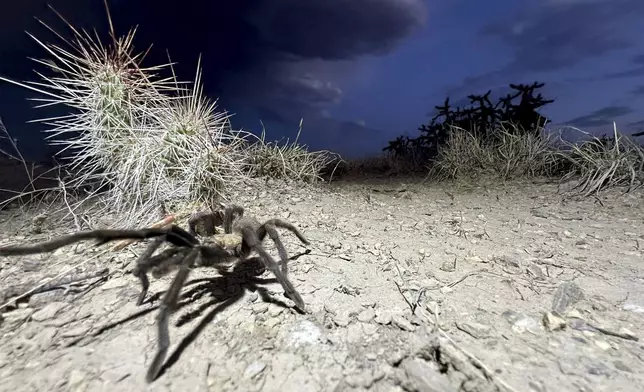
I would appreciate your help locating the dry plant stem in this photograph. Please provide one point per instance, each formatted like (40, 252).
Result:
(18, 290)
(160, 224)
(61, 183)
(437, 328)
(60, 275)
(20, 158)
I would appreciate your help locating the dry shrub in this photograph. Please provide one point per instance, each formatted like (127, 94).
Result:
(286, 160)
(505, 152)
(602, 163)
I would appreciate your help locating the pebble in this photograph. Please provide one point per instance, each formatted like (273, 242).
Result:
(383, 317)
(342, 319)
(402, 323)
(366, 315)
(363, 379)
(49, 311)
(566, 296)
(369, 329)
(254, 369)
(272, 322)
(552, 322)
(73, 332)
(258, 308)
(476, 330)
(425, 377)
(15, 317)
(45, 338)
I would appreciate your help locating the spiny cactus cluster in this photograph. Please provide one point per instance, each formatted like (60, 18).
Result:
(482, 117)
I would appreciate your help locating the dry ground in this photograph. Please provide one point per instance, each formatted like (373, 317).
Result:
(485, 263)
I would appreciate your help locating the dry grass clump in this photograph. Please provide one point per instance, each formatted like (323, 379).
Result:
(606, 162)
(505, 153)
(140, 140)
(596, 164)
(286, 160)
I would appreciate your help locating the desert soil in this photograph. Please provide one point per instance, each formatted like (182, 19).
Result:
(409, 287)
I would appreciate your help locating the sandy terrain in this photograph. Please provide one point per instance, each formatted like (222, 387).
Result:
(389, 260)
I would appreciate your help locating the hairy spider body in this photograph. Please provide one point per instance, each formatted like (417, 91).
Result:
(240, 238)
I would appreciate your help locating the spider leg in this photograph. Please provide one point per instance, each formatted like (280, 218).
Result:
(269, 227)
(252, 240)
(282, 224)
(175, 235)
(204, 222)
(272, 232)
(143, 264)
(229, 214)
(163, 262)
(167, 307)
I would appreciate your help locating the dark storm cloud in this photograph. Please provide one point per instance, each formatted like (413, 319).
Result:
(254, 53)
(563, 34)
(251, 49)
(636, 124)
(635, 71)
(639, 90)
(555, 35)
(600, 117)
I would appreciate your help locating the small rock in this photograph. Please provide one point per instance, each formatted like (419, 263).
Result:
(37, 223)
(395, 357)
(602, 344)
(366, 315)
(259, 308)
(448, 266)
(619, 365)
(45, 338)
(354, 333)
(14, 318)
(520, 322)
(566, 295)
(552, 322)
(342, 319)
(425, 377)
(369, 329)
(633, 308)
(402, 323)
(40, 300)
(48, 312)
(476, 330)
(272, 322)
(574, 313)
(536, 272)
(73, 332)
(254, 369)
(304, 333)
(383, 317)
(76, 379)
(274, 310)
(363, 379)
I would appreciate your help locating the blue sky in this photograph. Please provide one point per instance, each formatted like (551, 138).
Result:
(362, 72)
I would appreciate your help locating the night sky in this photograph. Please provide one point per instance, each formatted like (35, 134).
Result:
(360, 72)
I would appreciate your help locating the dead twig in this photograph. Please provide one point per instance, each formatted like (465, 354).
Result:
(17, 292)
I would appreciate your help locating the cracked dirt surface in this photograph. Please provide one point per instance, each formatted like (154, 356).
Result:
(409, 287)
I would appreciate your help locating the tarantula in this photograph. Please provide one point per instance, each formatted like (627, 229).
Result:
(234, 223)
(241, 236)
